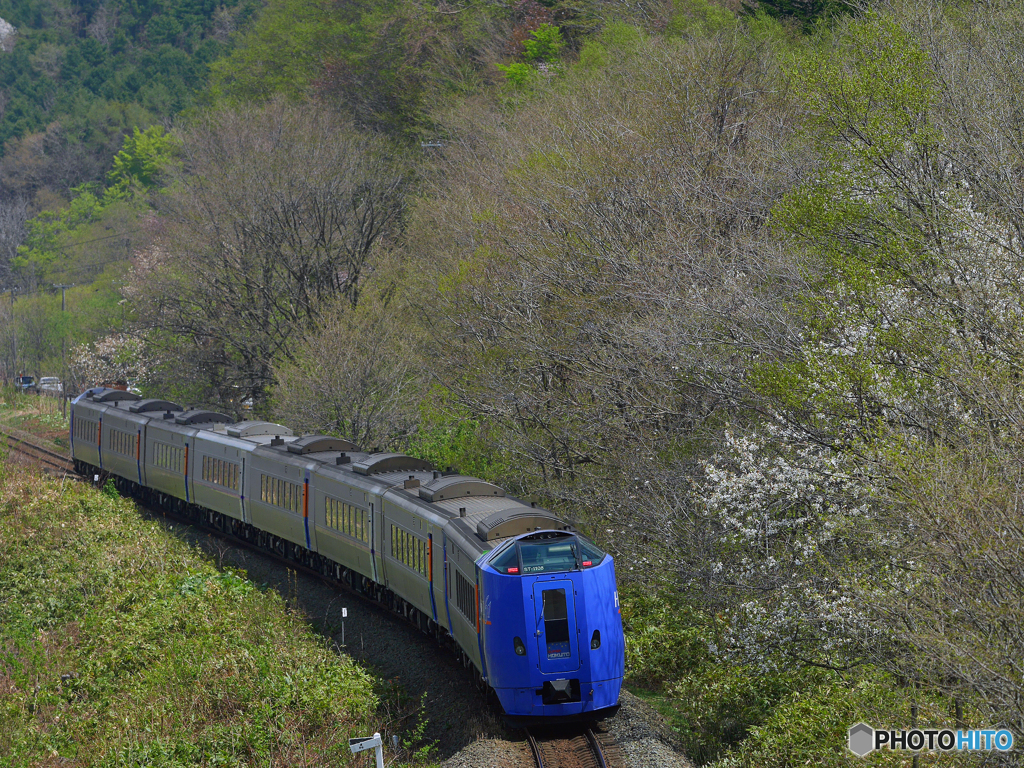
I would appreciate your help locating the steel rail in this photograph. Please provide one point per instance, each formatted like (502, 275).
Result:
(594, 745)
(535, 748)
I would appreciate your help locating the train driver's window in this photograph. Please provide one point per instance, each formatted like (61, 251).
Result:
(506, 561)
(591, 554)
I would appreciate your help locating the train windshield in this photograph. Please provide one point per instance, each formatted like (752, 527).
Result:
(506, 561)
(547, 552)
(548, 555)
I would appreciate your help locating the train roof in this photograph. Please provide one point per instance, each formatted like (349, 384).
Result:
(480, 512)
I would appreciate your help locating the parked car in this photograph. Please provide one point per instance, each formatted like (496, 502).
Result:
(51, 385)
(26, 384)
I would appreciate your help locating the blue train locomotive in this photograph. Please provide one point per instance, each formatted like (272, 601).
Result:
(525, 601)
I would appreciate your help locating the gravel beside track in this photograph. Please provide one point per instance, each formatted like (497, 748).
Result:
(636, 737)
(466, 730)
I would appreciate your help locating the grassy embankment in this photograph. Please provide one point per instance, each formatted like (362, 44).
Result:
(121, 645)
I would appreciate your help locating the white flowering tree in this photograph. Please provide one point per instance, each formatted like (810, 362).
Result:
(798, 546)
(118, 358)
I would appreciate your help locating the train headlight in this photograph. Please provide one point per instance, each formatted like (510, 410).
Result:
(595, 640)
(520, 648)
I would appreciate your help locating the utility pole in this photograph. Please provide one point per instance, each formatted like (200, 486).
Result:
(14, 337)
(63, 366)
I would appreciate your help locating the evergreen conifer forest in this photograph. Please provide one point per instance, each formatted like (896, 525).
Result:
(737, 287)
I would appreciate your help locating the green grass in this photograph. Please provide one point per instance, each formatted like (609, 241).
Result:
(122, 646)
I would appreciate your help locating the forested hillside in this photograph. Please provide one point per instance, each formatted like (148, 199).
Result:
(736, 288)
(76, 76)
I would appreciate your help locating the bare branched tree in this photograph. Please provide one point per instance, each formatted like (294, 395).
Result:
(274, 214)
(359, 375)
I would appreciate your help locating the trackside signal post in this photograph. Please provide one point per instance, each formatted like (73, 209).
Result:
(363, 743)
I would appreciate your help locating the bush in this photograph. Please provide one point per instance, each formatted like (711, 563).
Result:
(730, 715)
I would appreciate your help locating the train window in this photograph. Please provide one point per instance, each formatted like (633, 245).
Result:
(591, 554)
(556, 624)
(349, 520)
(220, 472)
(506, 561)
(168, 457)
(280, 493)
(409, 550)
(121, 442)
(545, 556)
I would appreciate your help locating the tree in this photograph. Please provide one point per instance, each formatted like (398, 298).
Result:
(909, 364)
(12, 233)
(144, 155)
(274, 215)
(359, 374)
(806, 12)
(603, 257)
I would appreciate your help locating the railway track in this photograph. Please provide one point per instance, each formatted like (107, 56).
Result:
(50, 460)
(574, 749)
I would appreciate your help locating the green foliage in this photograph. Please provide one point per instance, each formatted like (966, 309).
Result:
(48, 232)
(542, 48)
(449, 438)
(137, 166)
(518, 74)
(122, 646)
(874, 98)
(616, 39)
(731, 715)
(809, 725)
(665, 638)
(414, 742)
(545, 43)
(78, 86)
(869, 113)
(387, 65)
(804, 12)
(698, 17)
(282, 53)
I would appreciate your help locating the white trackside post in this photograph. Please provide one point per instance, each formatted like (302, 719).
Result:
(363, 743)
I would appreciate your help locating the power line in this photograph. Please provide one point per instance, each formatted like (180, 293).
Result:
(98, 239)
(84, 268)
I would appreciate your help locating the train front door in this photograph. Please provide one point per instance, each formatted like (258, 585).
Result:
(555, 609)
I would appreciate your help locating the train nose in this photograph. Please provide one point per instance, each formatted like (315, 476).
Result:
(552, 638)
